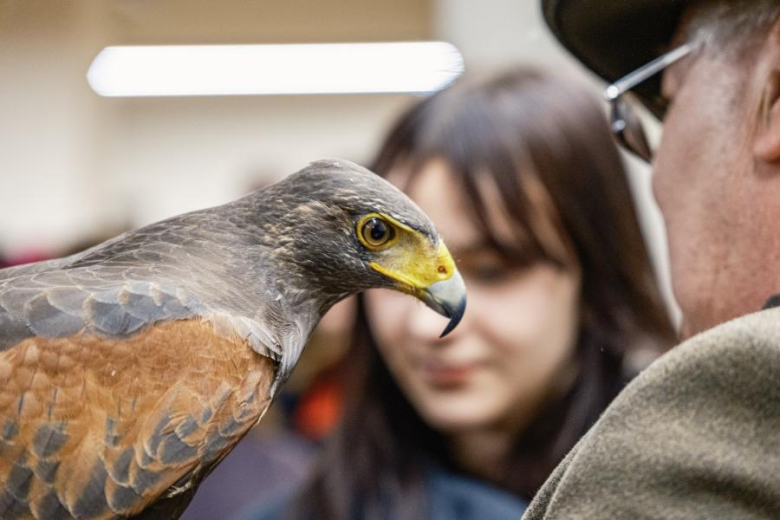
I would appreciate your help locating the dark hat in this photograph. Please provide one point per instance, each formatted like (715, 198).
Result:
(615, 37)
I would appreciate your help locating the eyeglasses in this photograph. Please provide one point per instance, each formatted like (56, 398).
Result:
(626, 124)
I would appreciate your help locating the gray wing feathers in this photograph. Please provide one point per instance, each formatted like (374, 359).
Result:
(110, 300)
(162, 272)
(54, 264)
(62, 303)
(28, 269)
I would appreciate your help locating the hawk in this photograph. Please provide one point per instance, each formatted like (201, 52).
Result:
(128, 371)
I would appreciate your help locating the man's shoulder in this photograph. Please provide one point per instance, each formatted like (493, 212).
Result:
(758, 332)
(693, 436)
(745, 350)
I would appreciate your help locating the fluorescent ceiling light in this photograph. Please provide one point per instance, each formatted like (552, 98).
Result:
(214, 70)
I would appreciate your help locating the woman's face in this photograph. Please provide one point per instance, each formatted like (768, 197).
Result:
(514, 346)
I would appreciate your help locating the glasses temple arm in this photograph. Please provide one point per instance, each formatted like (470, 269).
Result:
(631, 80)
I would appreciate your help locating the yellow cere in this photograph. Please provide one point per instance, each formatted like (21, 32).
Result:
(409, 257)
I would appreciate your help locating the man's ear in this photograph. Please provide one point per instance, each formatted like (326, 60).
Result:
(766, 144)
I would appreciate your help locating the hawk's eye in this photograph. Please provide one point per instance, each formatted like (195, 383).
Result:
(377, 232)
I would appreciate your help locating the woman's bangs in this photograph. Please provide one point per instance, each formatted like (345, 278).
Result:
(515, 215)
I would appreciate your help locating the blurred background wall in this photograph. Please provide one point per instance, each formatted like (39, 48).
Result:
(74, 165)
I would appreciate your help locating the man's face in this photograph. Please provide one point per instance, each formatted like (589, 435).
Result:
(706, 184)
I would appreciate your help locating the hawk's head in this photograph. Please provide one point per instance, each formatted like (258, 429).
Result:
(339, 229)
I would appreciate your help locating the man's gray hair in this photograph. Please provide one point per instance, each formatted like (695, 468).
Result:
(731, 23)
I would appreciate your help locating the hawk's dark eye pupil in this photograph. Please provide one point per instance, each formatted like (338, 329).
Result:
(378, 230)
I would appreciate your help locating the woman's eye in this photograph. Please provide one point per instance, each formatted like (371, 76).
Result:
(377, 232)
(486, 270)
(488, 273)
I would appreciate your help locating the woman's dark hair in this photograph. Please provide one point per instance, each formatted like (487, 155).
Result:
(543, 147)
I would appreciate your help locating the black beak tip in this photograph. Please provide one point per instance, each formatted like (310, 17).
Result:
(455, 315)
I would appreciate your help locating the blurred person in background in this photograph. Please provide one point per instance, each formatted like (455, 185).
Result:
(520, 174)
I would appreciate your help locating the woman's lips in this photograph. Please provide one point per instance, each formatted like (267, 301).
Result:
(448, 374)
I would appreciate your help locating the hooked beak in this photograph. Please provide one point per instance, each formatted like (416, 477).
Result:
(448, 298)
(429, 275)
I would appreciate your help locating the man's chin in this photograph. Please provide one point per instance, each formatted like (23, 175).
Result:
(696, 323)
(687, 330)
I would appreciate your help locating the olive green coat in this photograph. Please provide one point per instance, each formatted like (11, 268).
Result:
(697, 435)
